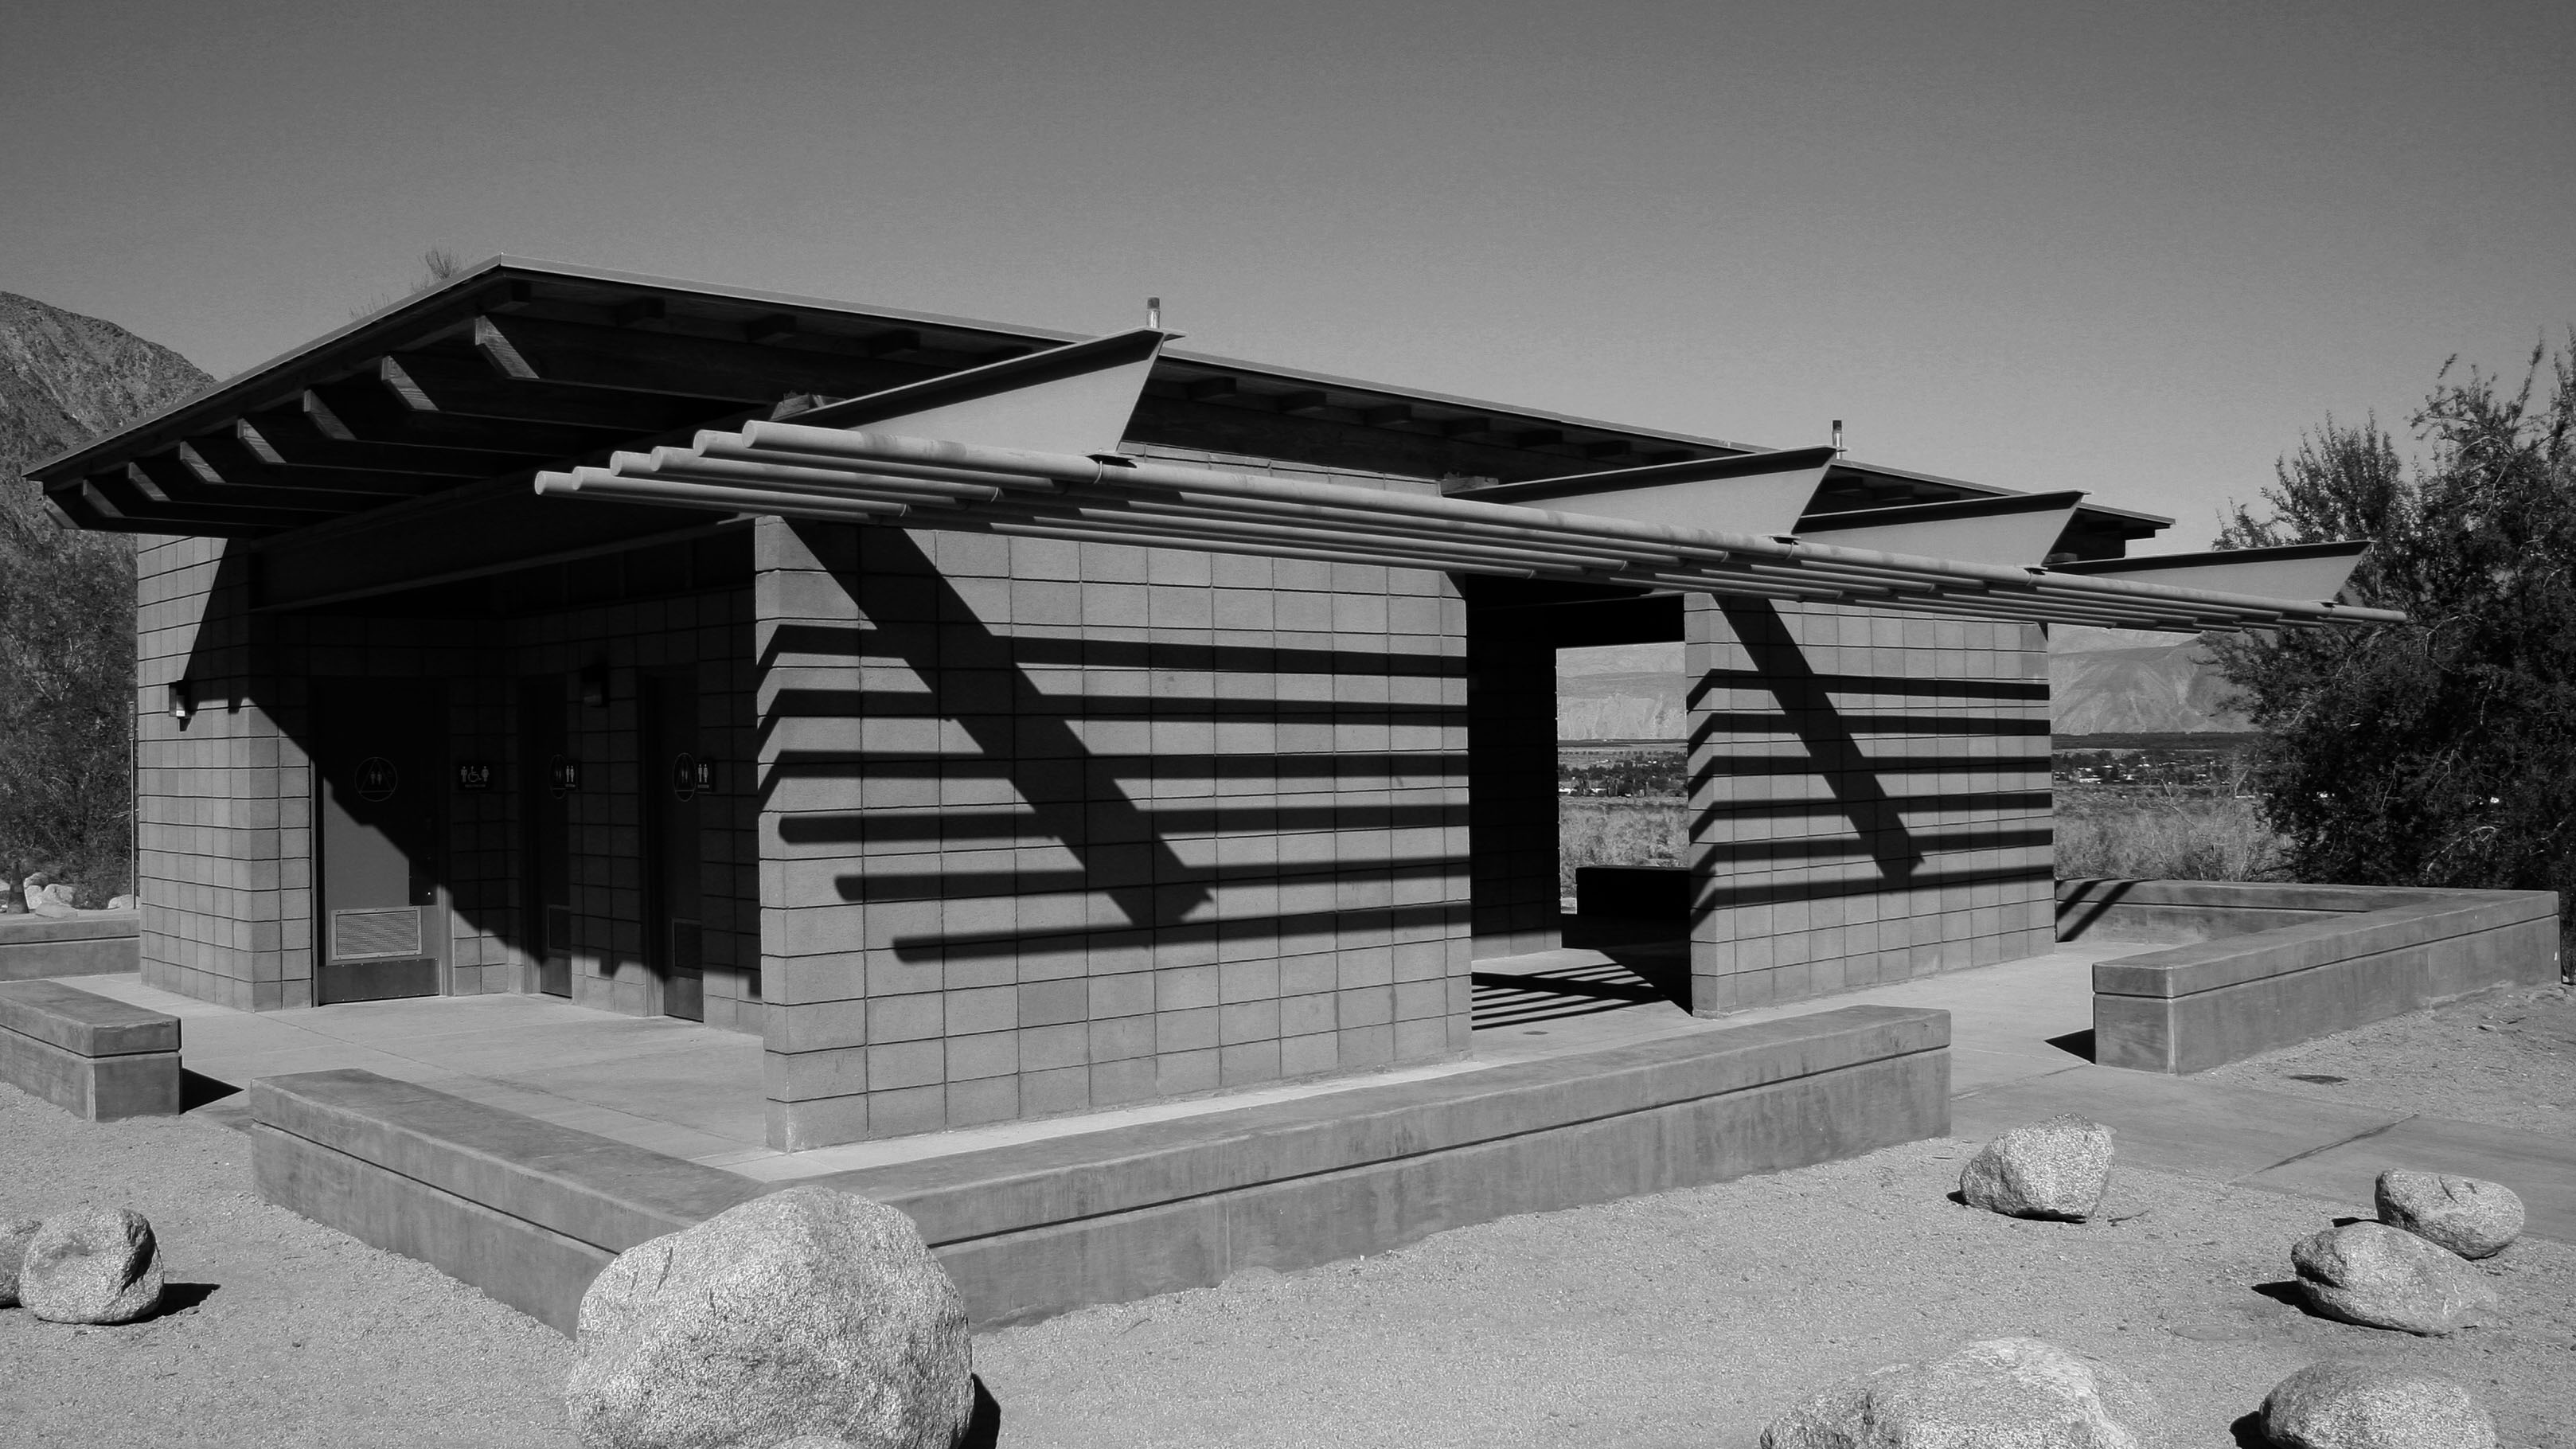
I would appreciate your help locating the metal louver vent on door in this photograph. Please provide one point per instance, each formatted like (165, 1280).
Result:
(359, 935)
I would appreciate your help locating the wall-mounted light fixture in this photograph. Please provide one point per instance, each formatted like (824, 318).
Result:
(183, 701)
(594, 684)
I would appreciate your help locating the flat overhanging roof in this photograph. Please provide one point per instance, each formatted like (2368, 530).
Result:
(518, 366)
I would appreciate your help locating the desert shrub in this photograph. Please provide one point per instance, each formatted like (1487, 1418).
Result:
(2174, 837)
(66, 700)
(1592, 830)
(2440, 752)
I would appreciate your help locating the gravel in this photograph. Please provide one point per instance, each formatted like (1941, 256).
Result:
(1692, 1318)
(2505, 1058)
(281, 1331)
(1686, 1319)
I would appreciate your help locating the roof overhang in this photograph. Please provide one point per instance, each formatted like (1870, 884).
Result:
(453, 403)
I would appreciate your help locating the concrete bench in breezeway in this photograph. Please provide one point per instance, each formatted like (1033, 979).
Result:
(2249, 968)
(90, 1056)
(100, 943)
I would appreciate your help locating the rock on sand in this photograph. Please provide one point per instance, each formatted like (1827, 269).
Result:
(2471, 1217)
(2337, 1405)
(2375, 1275)
(14, 1236)
(803, 1313)
(2016, 1391)
(2059, 1169)
(98, 1267)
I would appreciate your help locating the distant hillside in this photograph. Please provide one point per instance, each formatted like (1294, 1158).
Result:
(2121, 681)
(2102, 681)
(1620, 692)
(66, 378)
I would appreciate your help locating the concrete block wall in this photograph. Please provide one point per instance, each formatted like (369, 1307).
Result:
(701, 642)
(1870, 798)
(1053, 827)
(223, 822)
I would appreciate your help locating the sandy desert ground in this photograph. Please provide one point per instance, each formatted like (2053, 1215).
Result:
(1686, 1319)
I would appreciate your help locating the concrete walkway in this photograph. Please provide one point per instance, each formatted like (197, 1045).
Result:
(2020, 1050)
(671, 1086)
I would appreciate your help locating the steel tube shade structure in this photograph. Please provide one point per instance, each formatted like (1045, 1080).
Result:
(856, 475)
(994, 449)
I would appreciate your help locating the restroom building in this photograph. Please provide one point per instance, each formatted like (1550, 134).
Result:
(1007, 724)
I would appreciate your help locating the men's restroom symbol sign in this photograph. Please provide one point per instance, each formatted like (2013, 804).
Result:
(377, 778)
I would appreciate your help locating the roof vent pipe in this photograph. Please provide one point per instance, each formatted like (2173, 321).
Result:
(1154, 313)
(1838, 437)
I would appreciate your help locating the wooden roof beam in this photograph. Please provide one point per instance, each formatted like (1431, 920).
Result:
(224, 460)
(368, 412)
(291, 437)
(432, 383)
(121, 494)
(527, 350)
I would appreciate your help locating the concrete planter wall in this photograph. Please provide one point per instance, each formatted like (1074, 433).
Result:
(530, 1212)
(103, 944)
(2249, 968)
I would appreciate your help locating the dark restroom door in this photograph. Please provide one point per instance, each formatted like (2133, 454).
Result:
(548, 776)
(671, 784)
(381, 764)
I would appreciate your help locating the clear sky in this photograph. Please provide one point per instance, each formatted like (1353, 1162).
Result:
(2132, 248)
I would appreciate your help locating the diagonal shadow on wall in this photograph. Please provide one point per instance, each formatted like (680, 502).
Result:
(1808, 706)
(1073, 795)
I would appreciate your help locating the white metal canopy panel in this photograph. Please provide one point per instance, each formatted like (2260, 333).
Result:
(2299, 571)
(2019, 532)
(1760, 494)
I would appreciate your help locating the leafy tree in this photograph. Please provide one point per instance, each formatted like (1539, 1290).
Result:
(2441, 752)
(66, 699)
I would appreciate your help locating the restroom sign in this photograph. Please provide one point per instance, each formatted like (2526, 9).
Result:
(377, 778)
(562, 776)
(473, 774)
(690, 775)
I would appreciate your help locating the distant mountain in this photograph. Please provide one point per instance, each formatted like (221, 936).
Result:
(2102, 681)
(2164, 687)
(66, 378)
(1620, 692)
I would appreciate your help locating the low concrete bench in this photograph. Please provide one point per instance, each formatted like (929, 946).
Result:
(2256, 967)
(105, 944)
(529, 1212)
(86, 1054)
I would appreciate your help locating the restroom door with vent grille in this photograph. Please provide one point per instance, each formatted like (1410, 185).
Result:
(380, 772)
